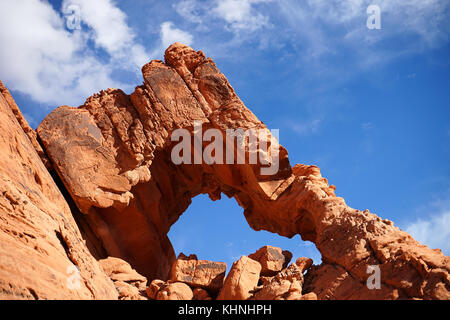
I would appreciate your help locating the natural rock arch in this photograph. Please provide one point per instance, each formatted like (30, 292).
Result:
(113, 156)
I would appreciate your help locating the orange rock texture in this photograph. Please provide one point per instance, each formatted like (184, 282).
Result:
(113, 156)
(243, 282)
(198, 273)
(40, 243)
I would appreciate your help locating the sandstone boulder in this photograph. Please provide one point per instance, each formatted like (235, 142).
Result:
(175, 291)
(201, 294)
(285, 285)
(308, 296)
(278, 290)
(272, 259)
(154, 287)
(198, 273)
(303, 264)
(128, 292)
(128, 282)
(331, 282)
(241, 280)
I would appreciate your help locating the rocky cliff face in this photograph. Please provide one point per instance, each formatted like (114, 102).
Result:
(113, 156)
(40, 243)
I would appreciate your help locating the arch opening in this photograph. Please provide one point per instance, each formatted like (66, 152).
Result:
(218, 231)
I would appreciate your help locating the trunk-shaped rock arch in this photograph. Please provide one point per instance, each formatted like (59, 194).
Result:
(113, 155)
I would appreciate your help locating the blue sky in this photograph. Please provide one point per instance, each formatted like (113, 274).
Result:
(369, 107)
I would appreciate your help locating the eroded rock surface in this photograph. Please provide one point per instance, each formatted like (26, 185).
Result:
(154, 287)
(200, 294)
(272, 259)
(241, 280)
(129, 284)
(113, 155)
(286, 284)
(175, 291)
(41, 247)
(198, 273)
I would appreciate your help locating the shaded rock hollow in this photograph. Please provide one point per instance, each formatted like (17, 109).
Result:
(113, 156)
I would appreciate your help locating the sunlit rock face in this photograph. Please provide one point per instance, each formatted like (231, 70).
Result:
(42, 252)
(115, 157)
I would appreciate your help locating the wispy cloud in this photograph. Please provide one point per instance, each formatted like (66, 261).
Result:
(325, 28)
(171, 34)
(324, 40)
(433, 229)
(325, 25)
(306, 128)
(240, 15)
(243, 19)
(109, 30)
(434, 232)
(191, 10)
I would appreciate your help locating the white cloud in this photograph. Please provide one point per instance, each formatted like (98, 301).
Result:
(428, 19)
(110, 29)
(315, 30)
(325, 25)
(170, 34)
(191, 10)
(434, 228)
(434, 232)
(42, 58)
(240, 15)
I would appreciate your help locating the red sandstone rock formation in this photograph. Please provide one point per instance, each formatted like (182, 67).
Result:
(200, 294)
(244, 281)
(241, 280)
(272, 259)
(113, 156)
(175, 291)
(285, 285)
(129, 284)
(40, 243)
(198, 273)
